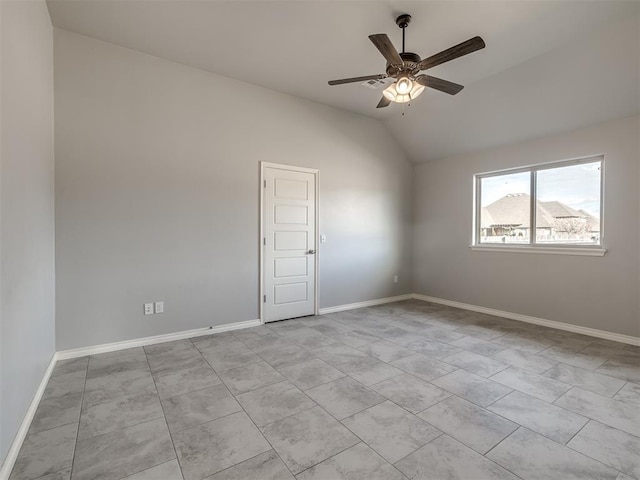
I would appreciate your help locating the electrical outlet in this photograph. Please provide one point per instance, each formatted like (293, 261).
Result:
(148, 308)
(395, 279)
(159, 307)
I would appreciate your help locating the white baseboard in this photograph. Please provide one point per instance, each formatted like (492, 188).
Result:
(368, 303)
(141, 342)
(12, 454)
(592, 332)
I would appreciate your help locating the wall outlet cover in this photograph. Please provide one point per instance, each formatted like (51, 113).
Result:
(159, 307)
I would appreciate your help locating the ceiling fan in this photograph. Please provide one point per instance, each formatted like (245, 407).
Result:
(405, 67)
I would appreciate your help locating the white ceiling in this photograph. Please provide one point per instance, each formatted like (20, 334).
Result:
(548, 66)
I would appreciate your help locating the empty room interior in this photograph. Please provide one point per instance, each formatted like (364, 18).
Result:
(319, 240)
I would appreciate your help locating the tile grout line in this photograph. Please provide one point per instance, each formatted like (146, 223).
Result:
(175, 450)
(250, 419)
(75, 447)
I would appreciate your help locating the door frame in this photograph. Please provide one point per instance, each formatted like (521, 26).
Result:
(293, 168)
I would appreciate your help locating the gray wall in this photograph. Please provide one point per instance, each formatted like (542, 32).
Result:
(595, 292)
(157, 190)
(27, 331)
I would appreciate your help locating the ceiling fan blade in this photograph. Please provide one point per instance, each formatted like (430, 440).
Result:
(382, 43)
(342, 81)
(439, 84)
(384, 102)
(464, 48)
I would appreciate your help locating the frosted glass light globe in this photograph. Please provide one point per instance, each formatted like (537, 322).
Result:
(403, 86)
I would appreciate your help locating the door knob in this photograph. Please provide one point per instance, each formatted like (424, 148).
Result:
(311, 252)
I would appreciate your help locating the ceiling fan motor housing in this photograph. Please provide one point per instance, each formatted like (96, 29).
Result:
(409, 66)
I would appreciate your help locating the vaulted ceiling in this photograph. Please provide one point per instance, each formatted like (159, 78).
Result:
(549, 66)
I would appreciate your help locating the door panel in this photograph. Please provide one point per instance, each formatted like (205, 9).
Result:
(289, 266)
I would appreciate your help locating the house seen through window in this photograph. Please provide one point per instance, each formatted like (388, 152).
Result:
(551, 204)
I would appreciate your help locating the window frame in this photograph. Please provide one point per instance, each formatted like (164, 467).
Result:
(533, 246)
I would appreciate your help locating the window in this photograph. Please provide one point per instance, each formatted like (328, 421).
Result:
(550, 205)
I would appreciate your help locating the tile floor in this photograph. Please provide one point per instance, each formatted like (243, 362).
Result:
(406, 390)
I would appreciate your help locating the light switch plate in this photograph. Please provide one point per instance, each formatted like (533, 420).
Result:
(323, 238)
(148, 308)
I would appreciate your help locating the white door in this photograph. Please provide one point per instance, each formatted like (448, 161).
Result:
(289, 242)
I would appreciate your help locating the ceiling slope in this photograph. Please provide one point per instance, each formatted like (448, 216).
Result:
(296, 47)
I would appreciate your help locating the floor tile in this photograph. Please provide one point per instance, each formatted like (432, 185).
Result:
(447, 459)
(45, 453)
(469, 386)
(218, 341)
(344, 397)
(185, 381)
(250, 377)
(169, 348)
(291, 354)
(214, 446)
(227, 358)
(266, 466)
(403, 337)
(311, 339)
(173, 362)
(107, 388)
(274, 402)
(525, 360)
(115, 455)
(336, 354)
(630, 392)
(410, 392)
(433, 348)
(532, 456)
(474, 426)
(201, 406)
(59, 475)
(423, 367)
(368, 370)
(356, 463)
(386, 351)
(446, 335)
(623, 476)
(119, 361)
(65, 383)
(525, 344)
(585, 379)
(307, 438)
(100, 418)
(70, 365)
(590, 362)
(610, 446)
(538, 386)
(310, 373)
(259, 343)
(619, 414)
(474, 363)
(390, 430)
(480, 332)
(356, 338)
(544, 418)
(57, 411)
(623, 370)
(164, 471)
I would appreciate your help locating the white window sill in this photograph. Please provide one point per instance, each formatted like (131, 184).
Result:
(587, 251)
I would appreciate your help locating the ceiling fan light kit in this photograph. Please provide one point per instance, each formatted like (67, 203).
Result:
(405, 67)
(403, 91)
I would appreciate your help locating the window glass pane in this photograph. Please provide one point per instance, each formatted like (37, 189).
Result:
(568, 204)
(505, 212)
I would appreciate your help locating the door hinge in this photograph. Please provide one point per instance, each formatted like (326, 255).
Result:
(265, 184)
(264, 298)
(264, 241)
